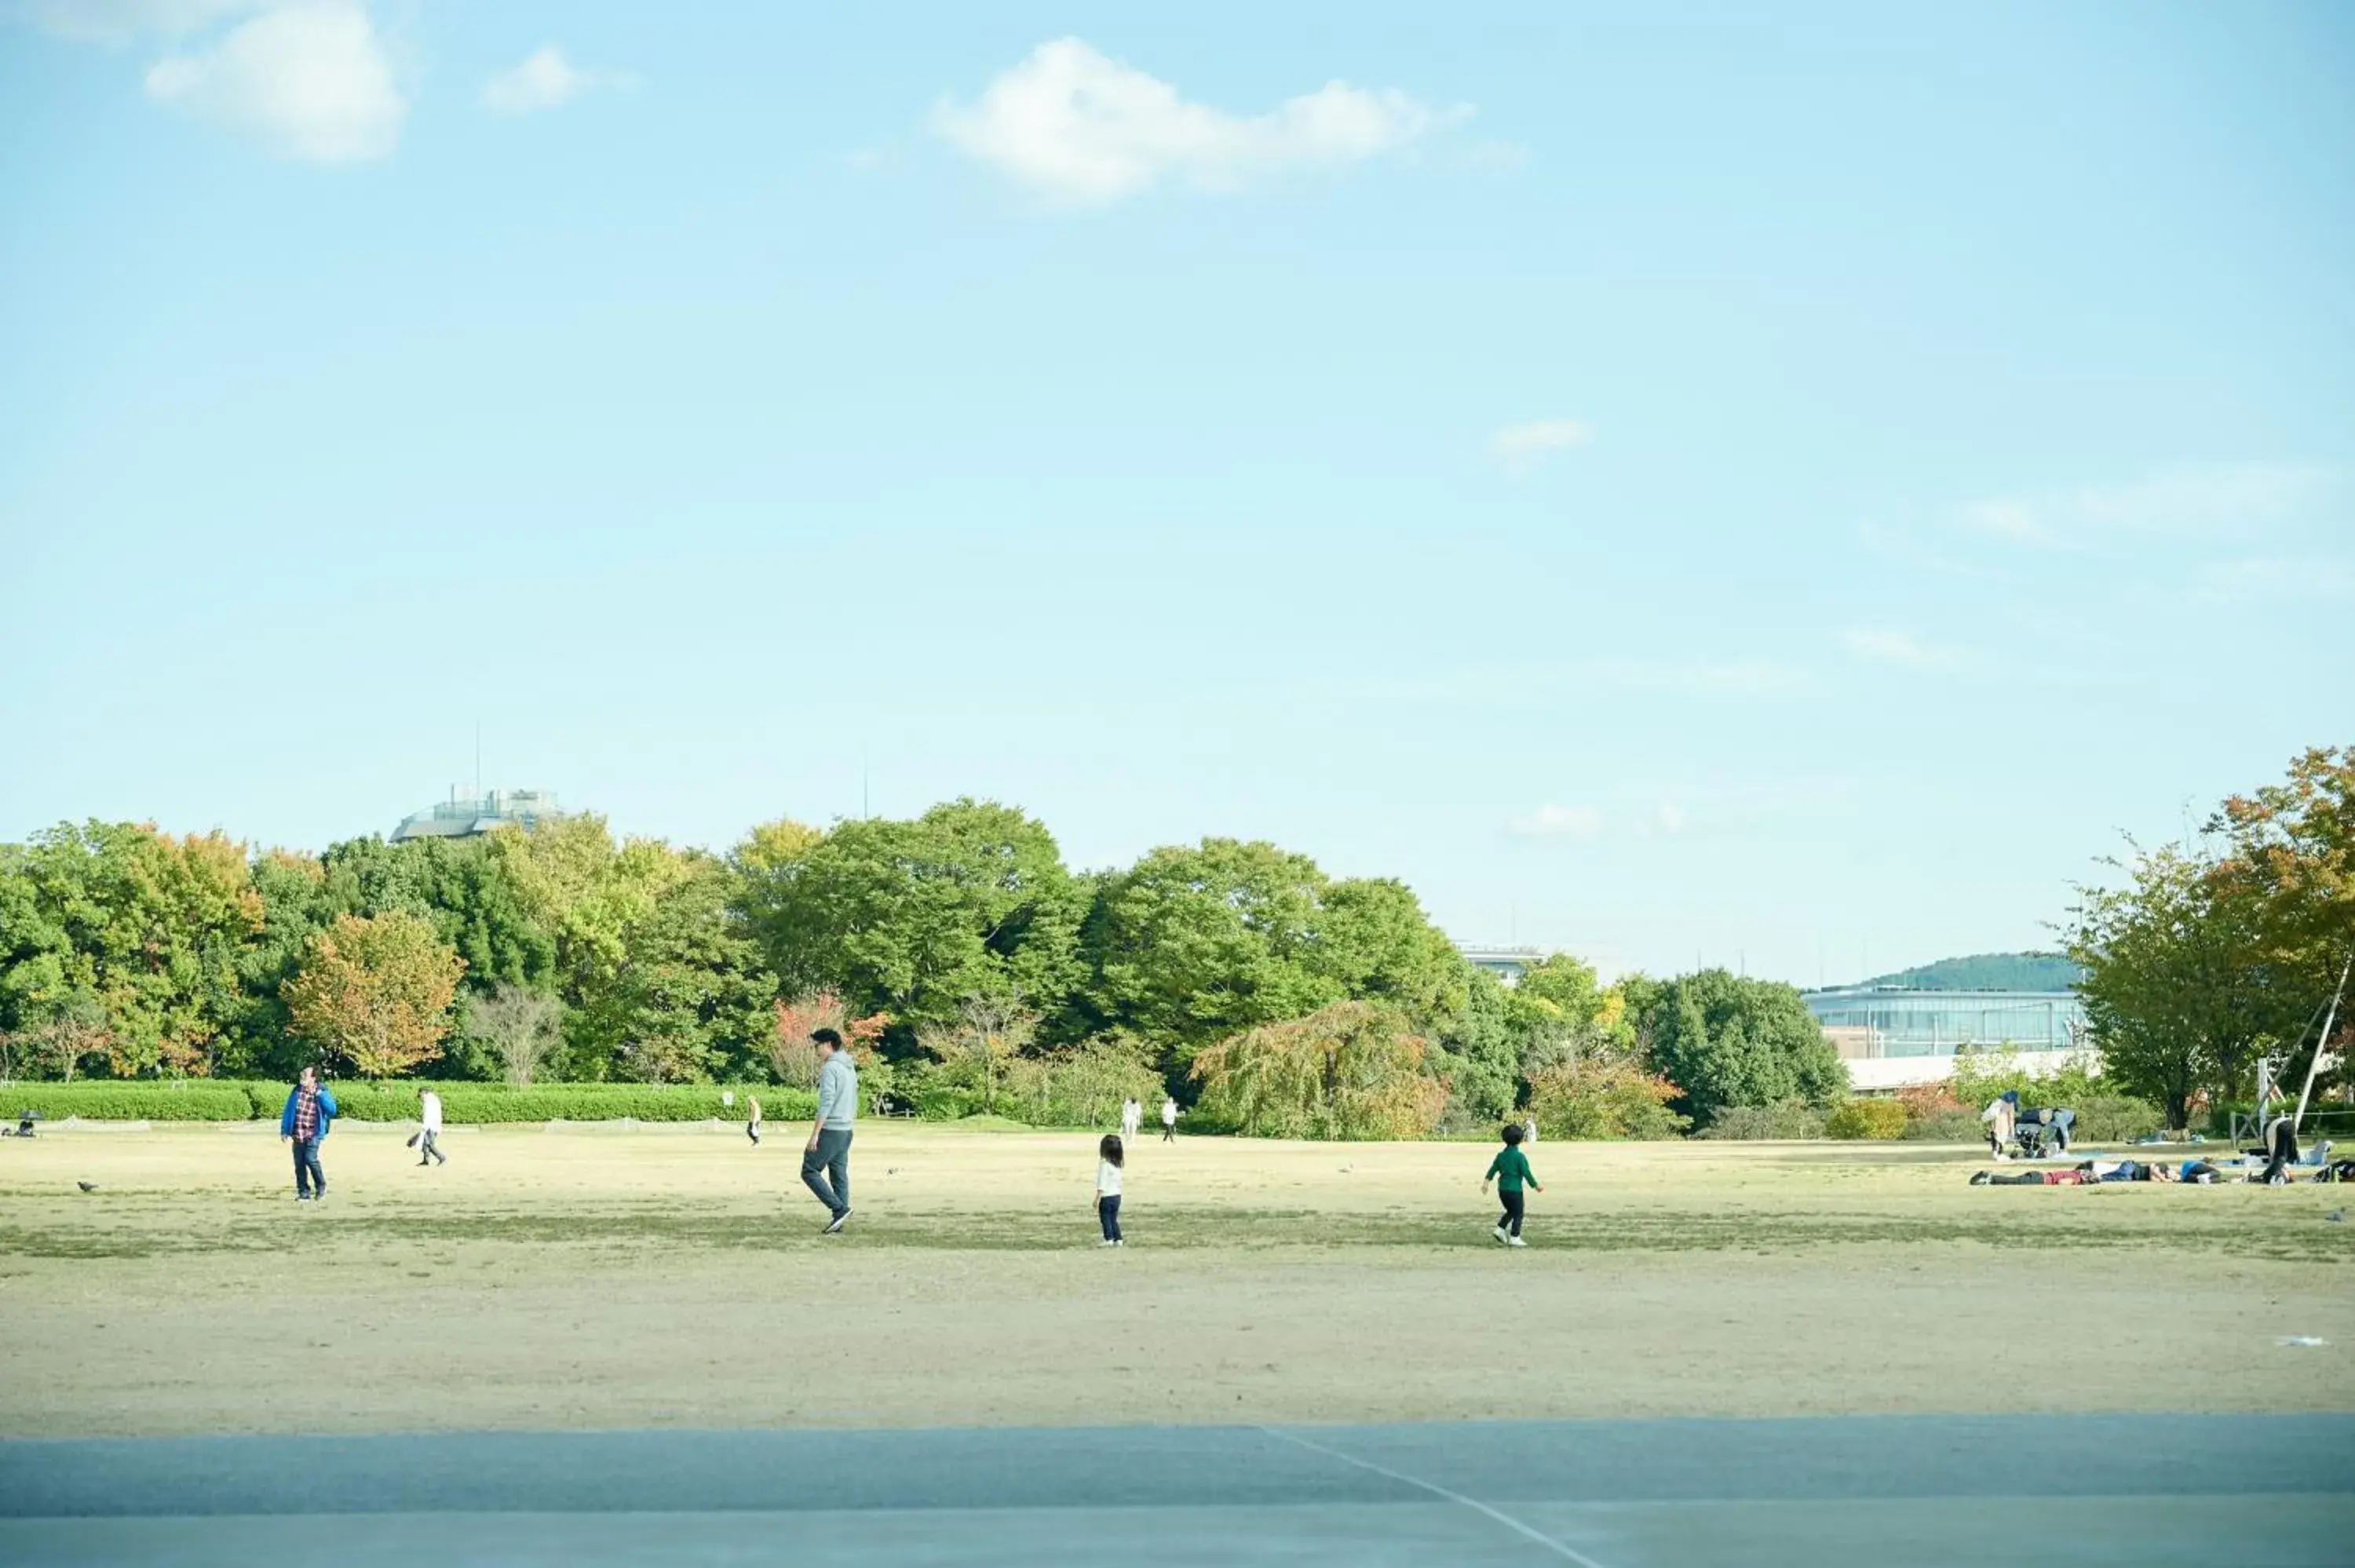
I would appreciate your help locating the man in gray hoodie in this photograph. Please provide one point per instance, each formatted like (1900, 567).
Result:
(826, 1158)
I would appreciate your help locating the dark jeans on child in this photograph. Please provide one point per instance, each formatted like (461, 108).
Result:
(1513, 1202)
(1108, 1211)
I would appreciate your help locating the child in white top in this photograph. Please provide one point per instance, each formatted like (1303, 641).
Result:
(1108, 1163)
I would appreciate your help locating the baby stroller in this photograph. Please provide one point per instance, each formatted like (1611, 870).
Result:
(2042, 1132)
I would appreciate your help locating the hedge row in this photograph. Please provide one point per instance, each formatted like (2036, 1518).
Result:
(112, 1100)
(102, 1099)
(467, 1103)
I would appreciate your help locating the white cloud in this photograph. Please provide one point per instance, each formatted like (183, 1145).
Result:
(2279, 577)
(1520, 447)
(2211, 500)
(543, 79)
(124, 21)
(1085, 130)
(1559, 822)
(1890, 646)
(311, 80)
(1668, 818)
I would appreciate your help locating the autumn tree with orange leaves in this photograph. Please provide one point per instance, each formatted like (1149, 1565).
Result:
(376, 991)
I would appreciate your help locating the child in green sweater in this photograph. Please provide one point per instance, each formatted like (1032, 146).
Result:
(1511, 1170)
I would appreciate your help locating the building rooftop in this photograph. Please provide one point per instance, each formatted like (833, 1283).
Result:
(465, 816)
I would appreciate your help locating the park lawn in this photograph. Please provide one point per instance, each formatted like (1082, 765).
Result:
(598, 1277)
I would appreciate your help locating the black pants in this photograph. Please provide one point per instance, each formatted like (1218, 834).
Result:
(1108, 1213)
(1513, 1202)
(1168, 1132)
(309, 1180)
(826, 1170)
(426, 1150)
(2283, 1153)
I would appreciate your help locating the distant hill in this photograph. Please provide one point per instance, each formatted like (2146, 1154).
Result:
(1988, 971)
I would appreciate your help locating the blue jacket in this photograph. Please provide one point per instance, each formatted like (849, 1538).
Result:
(327, 1111)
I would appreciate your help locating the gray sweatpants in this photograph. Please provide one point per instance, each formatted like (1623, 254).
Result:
(826, 1170)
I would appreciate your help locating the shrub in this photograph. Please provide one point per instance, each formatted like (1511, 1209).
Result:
(1791, 1118)
(2102, 1112)
(1945, 1126)
(115, 1099)
(2114, 1119)
(1866, 1118)
(1593, 1100)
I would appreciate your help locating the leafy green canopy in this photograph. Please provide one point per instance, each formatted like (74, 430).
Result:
(1726, 1041)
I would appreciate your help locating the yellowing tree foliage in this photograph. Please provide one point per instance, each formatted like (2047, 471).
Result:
(1350, 1070)
(376, 992)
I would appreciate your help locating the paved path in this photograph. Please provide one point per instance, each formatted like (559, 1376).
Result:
(1930, 1490)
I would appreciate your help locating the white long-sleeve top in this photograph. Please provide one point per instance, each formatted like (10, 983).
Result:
(1107, 1179)
(429, 1110)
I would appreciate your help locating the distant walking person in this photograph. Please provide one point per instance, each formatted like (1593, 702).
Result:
(1510, 1171)
(1108, 1159)
(429, 1112)
(309, 1110)
(1169, 1120)
(1132, 1117)
(753, 1119)
(825, 1160)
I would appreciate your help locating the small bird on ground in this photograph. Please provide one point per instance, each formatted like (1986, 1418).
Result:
(86, 1186)
(2335, 1216)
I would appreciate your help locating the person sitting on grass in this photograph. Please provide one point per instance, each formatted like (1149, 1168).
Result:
(1510, 1171)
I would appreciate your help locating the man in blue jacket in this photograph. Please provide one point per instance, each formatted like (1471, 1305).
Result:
(310, 1109)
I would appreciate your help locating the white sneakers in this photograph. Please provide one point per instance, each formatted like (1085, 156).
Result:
(1515, 1241)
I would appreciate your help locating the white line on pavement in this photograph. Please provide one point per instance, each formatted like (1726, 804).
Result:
(1475, 1504)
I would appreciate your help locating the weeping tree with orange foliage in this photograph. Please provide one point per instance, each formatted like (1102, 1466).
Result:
(1350, 1070)
(376, 992)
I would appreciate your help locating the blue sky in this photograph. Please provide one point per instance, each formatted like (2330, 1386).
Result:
(1779, 489)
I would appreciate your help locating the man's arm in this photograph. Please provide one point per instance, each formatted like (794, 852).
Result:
(828, 1088)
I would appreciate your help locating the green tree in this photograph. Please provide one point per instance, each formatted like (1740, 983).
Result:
(684, 996)
(1350, 1070)
(1728, 1041)
(1479, 1051)
(2181, 989)
(376, 992)
(2288, 872)
(1193, 943)
(912, 918)
(145, 926)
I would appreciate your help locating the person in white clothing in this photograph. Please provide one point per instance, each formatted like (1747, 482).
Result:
(1108, 1161)
(429, 1112)
(1132, 1117)
(1168, 1120)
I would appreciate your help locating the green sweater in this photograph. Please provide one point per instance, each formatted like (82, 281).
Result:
(1510, 1169)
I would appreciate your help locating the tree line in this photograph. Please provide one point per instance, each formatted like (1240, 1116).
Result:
(972, 967)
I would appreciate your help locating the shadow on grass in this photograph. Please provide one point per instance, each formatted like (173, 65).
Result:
(256, 1226)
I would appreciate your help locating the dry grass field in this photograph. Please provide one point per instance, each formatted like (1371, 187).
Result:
(608, 1276)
